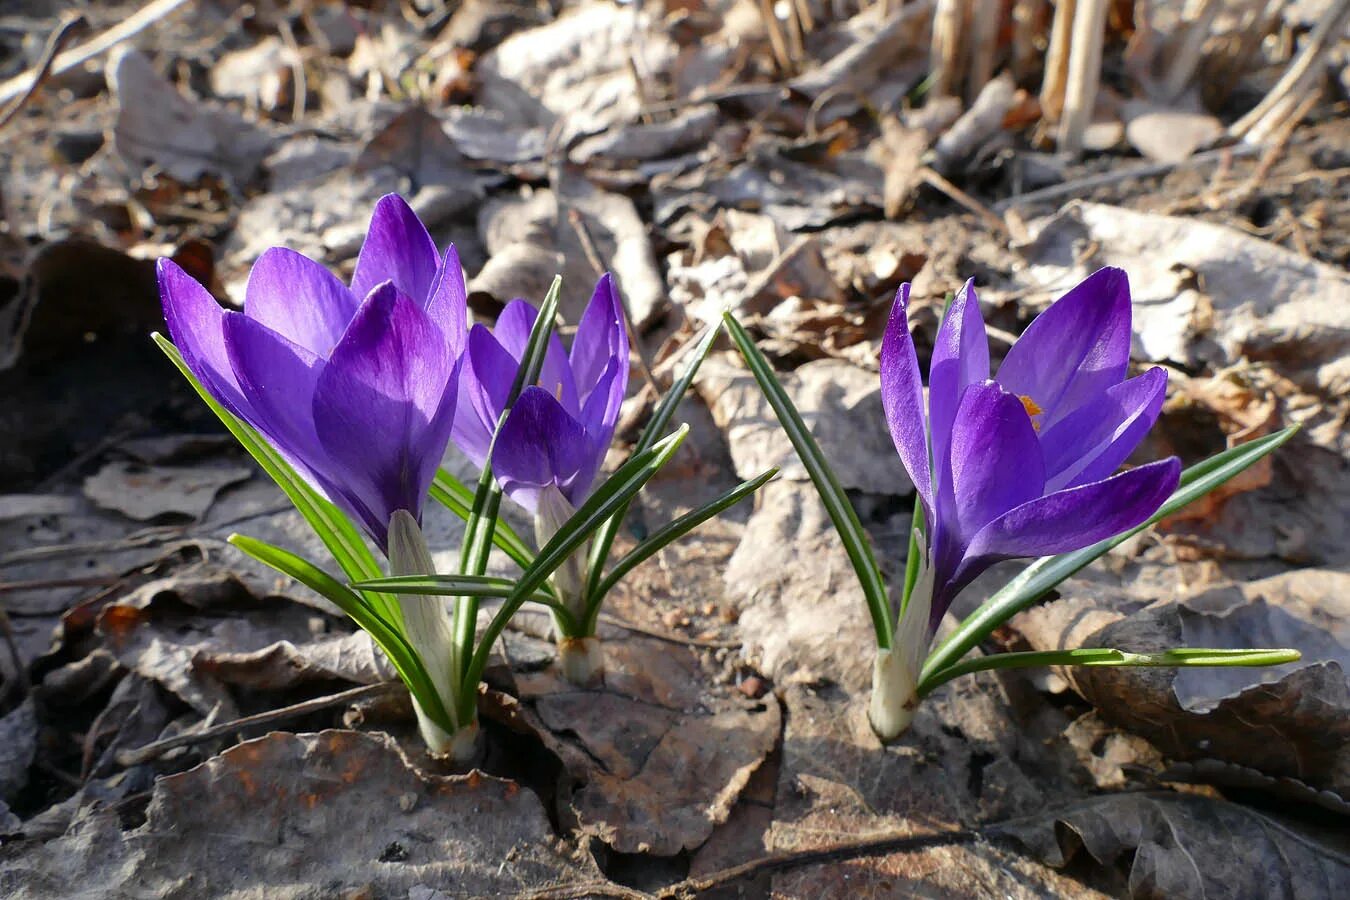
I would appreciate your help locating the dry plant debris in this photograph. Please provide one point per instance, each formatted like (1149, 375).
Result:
(795, 162)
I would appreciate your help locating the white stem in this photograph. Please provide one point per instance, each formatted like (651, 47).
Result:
(582, 660)
(894, 699)
(895, 673)
(429, 627)
(570, 578)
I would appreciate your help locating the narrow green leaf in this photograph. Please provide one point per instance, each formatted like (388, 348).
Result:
(332, 526)
(1039, 578)
(1184, 657)
(841, 511)
(481, 525)
(455, 496)
(665, 535)
(916, 529)
(661, 416)
(450, 586)
(405, 660)
(618, 489)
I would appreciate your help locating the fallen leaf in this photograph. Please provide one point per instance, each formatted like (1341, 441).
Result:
(1177, 846)
(147, 492)
(339, 809)
(158, 126)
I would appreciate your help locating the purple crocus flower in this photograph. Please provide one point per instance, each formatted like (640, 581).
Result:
(1021, 465)
(560, 428)
(356, 387)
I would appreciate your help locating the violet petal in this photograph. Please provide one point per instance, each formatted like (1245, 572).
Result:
(1074, 350)
(902, 399)
(298, 299)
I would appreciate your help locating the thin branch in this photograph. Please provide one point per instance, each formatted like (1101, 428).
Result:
(869, 846)
(131, 25)
(128, 758)
(63, 33)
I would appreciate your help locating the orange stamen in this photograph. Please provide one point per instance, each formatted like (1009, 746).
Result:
(1032, 408)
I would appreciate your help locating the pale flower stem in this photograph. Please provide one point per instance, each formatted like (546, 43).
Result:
(895, 672)
(580, 656)
(430, 628)
(582, 660)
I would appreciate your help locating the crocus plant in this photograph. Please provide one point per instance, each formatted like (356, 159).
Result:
(546, 454)
(347, 396)
(1023, 464)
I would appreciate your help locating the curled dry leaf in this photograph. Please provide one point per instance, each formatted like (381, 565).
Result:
(1301, 711)
(287, 815)
(173, 631)
(1183, 847)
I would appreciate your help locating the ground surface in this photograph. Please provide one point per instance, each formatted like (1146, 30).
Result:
(665, 144)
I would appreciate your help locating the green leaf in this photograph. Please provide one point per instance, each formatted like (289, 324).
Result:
(332, 526)
(1039, 578)
(665, 535)
(1185, 657)
(452, 586)
(916, 529)
(607, 499)
(837, 504)
(481, 525)
(452, 493)
(390, 639)
(661, 416)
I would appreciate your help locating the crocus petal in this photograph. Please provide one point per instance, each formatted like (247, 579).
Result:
(447, 305)
(1069, 520)
(397, 249)
(902, 399)
(1074, 350)
(196, 323)
(383, 407)
(540, 445)
(278, 378)
(298, 299)
(512, 331)
(960, 359)
(1092, 441)
(485, 385)
(996, 461)
(600, 338)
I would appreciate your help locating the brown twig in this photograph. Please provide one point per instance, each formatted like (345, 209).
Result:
(869, 846)
(128, 758)
(1079, 186)
(1301, 72)
(933, 179)
(68, 27)
(64, 62)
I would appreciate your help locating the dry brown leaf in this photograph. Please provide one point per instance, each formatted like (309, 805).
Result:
(285, 816)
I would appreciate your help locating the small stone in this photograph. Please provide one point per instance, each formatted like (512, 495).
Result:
(729, 614)
(407, 801)
(752, 687)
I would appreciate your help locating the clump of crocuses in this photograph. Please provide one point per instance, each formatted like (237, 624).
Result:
(348, 397)
(354, 386)
(1023, 464)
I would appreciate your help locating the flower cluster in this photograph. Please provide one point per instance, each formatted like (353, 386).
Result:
(349, 396)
